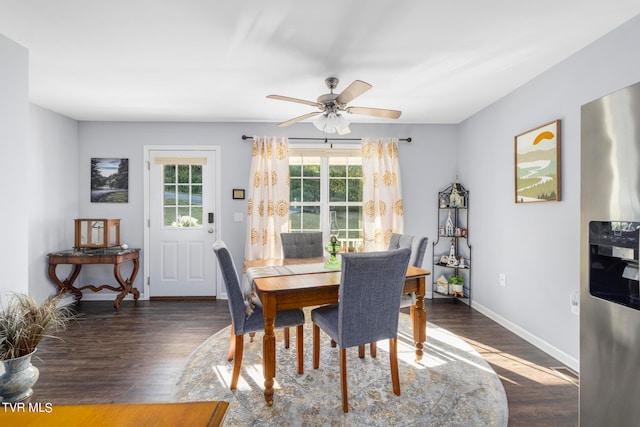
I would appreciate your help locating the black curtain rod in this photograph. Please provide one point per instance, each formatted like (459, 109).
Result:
(245, 137)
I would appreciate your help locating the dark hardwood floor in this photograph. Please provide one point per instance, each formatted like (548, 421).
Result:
(134, 354)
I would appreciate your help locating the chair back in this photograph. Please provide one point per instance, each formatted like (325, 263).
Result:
(418, 250)
(302, 245)
(369, 295)
(418, 247)
(232, 286)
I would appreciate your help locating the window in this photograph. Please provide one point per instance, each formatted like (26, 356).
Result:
(324, 181)
(182, 195)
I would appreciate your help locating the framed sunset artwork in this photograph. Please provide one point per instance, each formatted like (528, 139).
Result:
(537, 164)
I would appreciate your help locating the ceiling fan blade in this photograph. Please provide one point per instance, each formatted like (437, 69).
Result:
(287, 98)
(378, 112)
(351, 92)
(299, 118)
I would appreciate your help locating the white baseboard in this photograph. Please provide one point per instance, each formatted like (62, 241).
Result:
(563, 357)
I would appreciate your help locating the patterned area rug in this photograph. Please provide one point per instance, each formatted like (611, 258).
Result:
(452, 385)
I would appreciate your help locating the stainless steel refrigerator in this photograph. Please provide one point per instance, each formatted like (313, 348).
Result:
(609, 245)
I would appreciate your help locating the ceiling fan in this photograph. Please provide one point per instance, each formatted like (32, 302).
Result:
(332, 104)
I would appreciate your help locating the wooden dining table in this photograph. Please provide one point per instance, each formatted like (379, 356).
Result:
(289, 291)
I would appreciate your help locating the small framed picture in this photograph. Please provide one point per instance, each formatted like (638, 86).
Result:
(238, 194)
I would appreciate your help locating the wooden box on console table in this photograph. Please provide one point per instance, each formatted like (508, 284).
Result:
(97, 233)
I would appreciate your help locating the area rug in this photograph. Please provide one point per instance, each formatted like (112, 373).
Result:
(451, 386)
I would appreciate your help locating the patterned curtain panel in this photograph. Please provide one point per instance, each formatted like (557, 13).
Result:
(268, 198)
(383, 212)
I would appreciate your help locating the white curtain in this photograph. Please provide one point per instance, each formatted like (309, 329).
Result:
(268, 198)
(383, 211)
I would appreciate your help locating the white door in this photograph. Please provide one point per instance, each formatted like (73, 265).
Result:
(182, 223)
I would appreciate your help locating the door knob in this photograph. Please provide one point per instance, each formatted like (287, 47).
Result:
(210, 231)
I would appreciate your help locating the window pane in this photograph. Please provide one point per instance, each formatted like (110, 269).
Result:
(183, 211)
(311, 218)
(169, 215)
(355, 190)
(170, 195)
(196, 195)
(295, 218)
(196, 212)
(169, 174)
(183, 194)
(295, 185)
(311, 188)
(355, 217)
(337, 190)
(355, 170)
(183, 173)
(338, 170)
(311, 170)
(294, 170)
(196, 174)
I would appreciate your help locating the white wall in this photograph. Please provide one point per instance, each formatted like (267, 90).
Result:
(15, 170)
(53, 194)
(537, 245)
(428, 165)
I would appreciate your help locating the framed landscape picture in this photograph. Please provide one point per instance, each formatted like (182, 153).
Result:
(537, 164)
(109, 180)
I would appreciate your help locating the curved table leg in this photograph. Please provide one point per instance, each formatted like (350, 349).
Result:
(269, 346)
(67, 284)
(126, 284)
(419, 321)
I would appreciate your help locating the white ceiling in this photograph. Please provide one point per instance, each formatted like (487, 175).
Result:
(215, 61)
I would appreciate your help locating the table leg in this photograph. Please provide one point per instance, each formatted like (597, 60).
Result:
(67, 284)
(419, 320)
(269, 346)
(127, 285)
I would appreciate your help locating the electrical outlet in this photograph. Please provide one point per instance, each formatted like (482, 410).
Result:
(237, 216)
(574, 301)
(503, 280)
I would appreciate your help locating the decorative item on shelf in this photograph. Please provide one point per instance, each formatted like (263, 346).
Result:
(448, 228)
(461, 264)
(456, 200)
(457, 231)
(443, 202)
(463, 232)
(457, 285)
(23, 324)
(452, 261)
(96, 233)
(444, 259)
(441, 230)
(442, 285)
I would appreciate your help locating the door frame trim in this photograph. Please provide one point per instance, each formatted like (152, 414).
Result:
(147, 208)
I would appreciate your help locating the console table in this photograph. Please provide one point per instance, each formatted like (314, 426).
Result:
(79, 257)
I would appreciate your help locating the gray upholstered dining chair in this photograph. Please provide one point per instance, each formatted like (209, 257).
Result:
(241, 323)
(367, 311)
(302, 245)
(418, 248)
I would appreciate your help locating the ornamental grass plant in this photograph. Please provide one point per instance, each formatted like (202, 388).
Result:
(24, 322)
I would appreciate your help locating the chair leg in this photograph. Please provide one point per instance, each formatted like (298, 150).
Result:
(286, 337)
(343, 379)
(361, 351)
(374, 349)
(300, 348)
(316, 346)
(393, 357)
(232, 345)
(237, 361)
